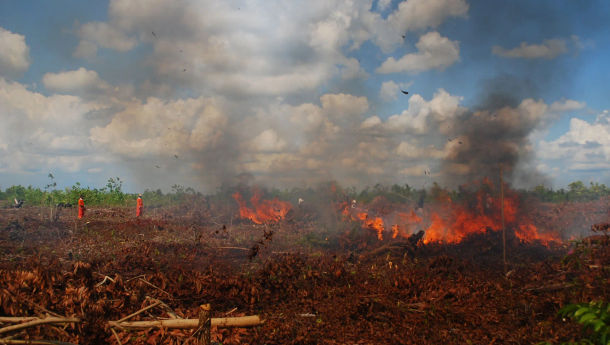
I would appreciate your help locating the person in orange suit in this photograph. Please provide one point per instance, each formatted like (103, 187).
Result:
(81, 207)
(140, 206)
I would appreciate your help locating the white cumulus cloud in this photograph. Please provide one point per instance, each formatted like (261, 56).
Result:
(158, 127)
(73, 81)
(422, 14)
(102, 34)
(567, 105)
(41, 132)
(548, 49)
(268, 141)
(420, 113)
(14, 53)
(434, 52)
(389, 90)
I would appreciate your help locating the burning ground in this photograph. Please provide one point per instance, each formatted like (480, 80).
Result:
(331, 272)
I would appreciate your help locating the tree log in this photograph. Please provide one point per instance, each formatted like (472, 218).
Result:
(222, 322)
(34, 342)
(37, 322)
(242, 321)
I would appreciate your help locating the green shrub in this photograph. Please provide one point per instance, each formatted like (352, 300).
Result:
(594, 318)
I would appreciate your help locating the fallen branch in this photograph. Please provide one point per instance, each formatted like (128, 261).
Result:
(241, 321)
(552, 287)
(373, 295)
(239, 248)
(154, 286)
(136, 277)
(139, 311)
(415, 307)
(116, 336)
(106, 278)
(230, 311)
(307, 315)
(39, 322)
(34, 342)
(36, 306)
(391, 247)
(17, 318)
(170, 312)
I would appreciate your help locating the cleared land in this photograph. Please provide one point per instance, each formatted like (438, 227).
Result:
(313, 282)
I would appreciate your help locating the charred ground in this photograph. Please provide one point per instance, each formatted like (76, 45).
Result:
(314, 283)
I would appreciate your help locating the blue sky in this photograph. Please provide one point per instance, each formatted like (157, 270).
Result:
(297, 93)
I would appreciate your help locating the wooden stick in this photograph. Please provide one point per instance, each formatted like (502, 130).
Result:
(139, 311)
(34, 305)
(240, 248)
(106, 278)
(136, 277)
(39, 322)
(153, 285)
(116, 336)
(373, 295)
(34, 342)
(241, 321)
(168, 310)
(230, 311)
(552, 287)
(17, 318)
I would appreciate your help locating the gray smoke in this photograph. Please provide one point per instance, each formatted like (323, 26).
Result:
(495, 135)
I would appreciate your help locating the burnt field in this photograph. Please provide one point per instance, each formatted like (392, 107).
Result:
(332, 277)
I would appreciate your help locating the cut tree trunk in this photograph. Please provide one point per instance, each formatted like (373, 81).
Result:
(241, 321)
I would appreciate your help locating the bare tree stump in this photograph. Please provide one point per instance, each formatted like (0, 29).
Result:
(205, 323)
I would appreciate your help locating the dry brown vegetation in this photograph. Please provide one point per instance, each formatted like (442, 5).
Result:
(313, 283)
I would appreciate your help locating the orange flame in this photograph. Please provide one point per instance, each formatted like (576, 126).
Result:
(372, 223)
(459, 221)
(395, 230)
(451, 222)
(401, 221)
(263, 211)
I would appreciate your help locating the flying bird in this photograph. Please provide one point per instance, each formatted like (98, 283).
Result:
(153, 33)
(405, 92)
(156, 166)
(176, 156)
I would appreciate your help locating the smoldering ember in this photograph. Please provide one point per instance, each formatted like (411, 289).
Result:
(304, 172)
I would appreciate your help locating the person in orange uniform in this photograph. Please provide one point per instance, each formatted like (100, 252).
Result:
(81, 207)
(140, 206)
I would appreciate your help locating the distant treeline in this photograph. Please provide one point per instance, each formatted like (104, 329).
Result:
(112, 195)
(109, 195)
(577, 191)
